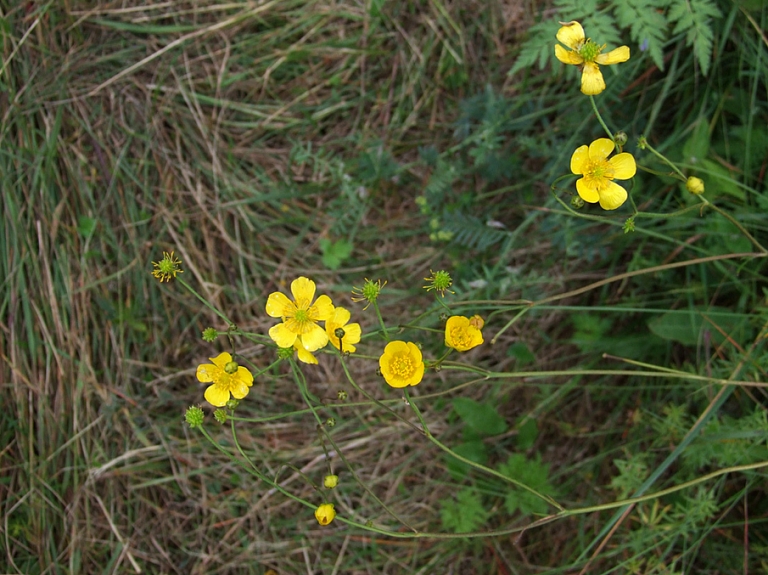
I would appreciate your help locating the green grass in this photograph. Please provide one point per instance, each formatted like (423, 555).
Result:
(246, 137)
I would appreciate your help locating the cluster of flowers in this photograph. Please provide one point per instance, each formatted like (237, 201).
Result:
(401, 363)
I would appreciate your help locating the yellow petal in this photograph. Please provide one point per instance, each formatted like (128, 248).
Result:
(303, 290)
(616, 56)
(600, 149)
(579, 160)
(282, 336)
(313, 339)
(238, 388)
(221, 360)
(352, 333)
(418, 375)
(592, 82)
(206, 372)
(217, 395)
(571, 34)
(322, 309)
(568, 56)
(244, 375)
(340, 316)
(613, 196)
(304, 355)
(278, 305)
(624, 166)
(585, 192)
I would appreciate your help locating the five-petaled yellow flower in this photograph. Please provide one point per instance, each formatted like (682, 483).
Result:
(401, 364)
(586, 53)
(227, 377)
(325, 513)
(463, 333)
(351, 331)
(598, 173)
(300, 316)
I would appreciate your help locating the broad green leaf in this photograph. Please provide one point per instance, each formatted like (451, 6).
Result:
(687, 326)
(475, 451)
(482, 417)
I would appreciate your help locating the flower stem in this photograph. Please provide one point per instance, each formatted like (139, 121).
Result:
(600, 118)
(381, 320)
(643, 144)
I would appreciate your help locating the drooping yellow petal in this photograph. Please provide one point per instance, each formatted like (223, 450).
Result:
(352, 334)
(313, 339)
(217, 395)
(244, 375)
(282, 336)
(340, 316)
(612, 196)
(278, 305)
(624, 166)
(579, 160)
(567, 56)
(322, 309)
(207, 372)
(221, 360)
(586, 193)
(571, 34)
(600, 149)
(303, 354)
(303, 290)
(592, 82)
(238, 388)
(616, 56)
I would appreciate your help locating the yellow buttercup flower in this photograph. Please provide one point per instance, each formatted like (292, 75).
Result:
(227, 377)
(598, 173)
(586, 53)
(325, 513)
(401, 364)
(463, 333)
(349, 335)
(299, 316)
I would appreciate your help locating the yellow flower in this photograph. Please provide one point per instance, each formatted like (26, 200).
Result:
(586, 53)
(598, 173)
(350, 332)
(330, 481)
(300, 316)
(463, 333)
(695, 185)
(325, 513)
(401, 364)
(227, 377)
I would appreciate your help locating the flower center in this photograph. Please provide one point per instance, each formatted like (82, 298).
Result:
(301, 316)
(402, 366)
(598, 173)
(589, 51)
(460, 337)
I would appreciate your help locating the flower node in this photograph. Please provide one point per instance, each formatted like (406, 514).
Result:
(342, 395)
(339, 333)
(330, 481)
(231, 367)
(325, 513)
(439, 282)
(695, 185)
(210, 334)
(194, 417)
(220, 415)
(369, 292)
(167, 268)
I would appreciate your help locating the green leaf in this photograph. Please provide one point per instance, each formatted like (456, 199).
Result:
(696, 147)
(335, 253)
(521, 353)
(527, 433)
(534, 474)
(693, 18)
(481, 417)
(646, 24)
(687, 326)
(86, 226)
(465, 514)
(718, 181)
(475, 451)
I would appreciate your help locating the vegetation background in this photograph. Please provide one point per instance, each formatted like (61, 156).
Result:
(342, 139)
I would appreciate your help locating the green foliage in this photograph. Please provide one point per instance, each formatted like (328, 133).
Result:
(646, 23)
(480, 417)
(464, 514)
(689, 327)
(476, 451)
(692, 17)
(520, 351)
(534, 474)
(632, 473)
(335, 253)
(527, 432)
(470, 232)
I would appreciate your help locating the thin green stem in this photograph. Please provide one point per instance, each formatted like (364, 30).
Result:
(381, 320)
(600, 118)
(205, 302)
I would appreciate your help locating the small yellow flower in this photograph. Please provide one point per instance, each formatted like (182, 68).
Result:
(598, 173)
(587, 54)
(299, 316)
(695, 185)
(401, 364)
(349, 335)
(463, 333)
(167, 268)
(325, 513)
(227, 377)
(330, 481)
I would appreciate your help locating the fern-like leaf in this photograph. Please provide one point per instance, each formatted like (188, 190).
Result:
(471, 232)
(693, 18)
(539, 48)
(646, 24)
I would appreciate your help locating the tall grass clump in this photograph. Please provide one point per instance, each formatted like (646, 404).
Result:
(579, 388)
